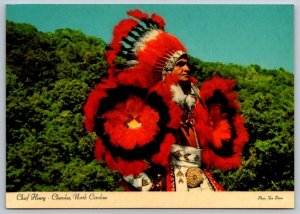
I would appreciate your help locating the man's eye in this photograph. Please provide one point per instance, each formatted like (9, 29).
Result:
(180, 64)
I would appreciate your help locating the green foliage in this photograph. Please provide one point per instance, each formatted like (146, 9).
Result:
(48, 77)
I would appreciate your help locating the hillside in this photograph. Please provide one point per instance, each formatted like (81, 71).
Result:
(48, 77)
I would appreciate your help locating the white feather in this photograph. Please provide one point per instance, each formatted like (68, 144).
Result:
(178, 95)
(180, 98)
(140, 44)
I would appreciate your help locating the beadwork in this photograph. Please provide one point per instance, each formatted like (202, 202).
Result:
(194, 177)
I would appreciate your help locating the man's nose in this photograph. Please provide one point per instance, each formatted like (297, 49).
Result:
(186, 68)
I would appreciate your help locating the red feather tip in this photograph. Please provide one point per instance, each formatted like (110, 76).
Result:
(94, 98)
(122, 29)
(162, 157)
(138, 14)
(99, 150)
(134, 167)
(159, 20)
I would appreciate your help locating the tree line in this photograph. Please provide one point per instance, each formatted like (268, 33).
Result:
(48, 78)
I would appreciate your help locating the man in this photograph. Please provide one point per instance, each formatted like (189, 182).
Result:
(154, 126)
(182, 70)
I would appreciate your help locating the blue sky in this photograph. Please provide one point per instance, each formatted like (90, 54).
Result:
(240, 34)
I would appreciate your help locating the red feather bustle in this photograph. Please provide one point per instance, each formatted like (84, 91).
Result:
(225, 86)
(203, 125)
(116, 163)
(116, 121)
(100, 150)
(226, 125)
(220, 125)
(134, 167)
(93, 101)
(162, 157)
(127, 121)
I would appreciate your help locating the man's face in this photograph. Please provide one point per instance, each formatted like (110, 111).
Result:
(181, 70)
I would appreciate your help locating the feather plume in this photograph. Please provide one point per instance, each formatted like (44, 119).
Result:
(162, 157)
(159, 20)
(138, 14)
(228, 135)
(99, 150)
(93, 101)
(123, 136)
(131, 167)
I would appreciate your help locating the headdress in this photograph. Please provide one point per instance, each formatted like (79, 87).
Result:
(141, 52)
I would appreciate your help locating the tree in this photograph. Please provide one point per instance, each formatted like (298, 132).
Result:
(48, 79)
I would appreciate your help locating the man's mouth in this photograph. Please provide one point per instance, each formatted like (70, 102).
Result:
(184, 75)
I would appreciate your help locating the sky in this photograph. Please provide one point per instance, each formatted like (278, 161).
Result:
(239, 34)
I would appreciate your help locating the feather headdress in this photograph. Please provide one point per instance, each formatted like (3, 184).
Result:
(141, 52)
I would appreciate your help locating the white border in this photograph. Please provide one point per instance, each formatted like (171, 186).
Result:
(2, 98)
